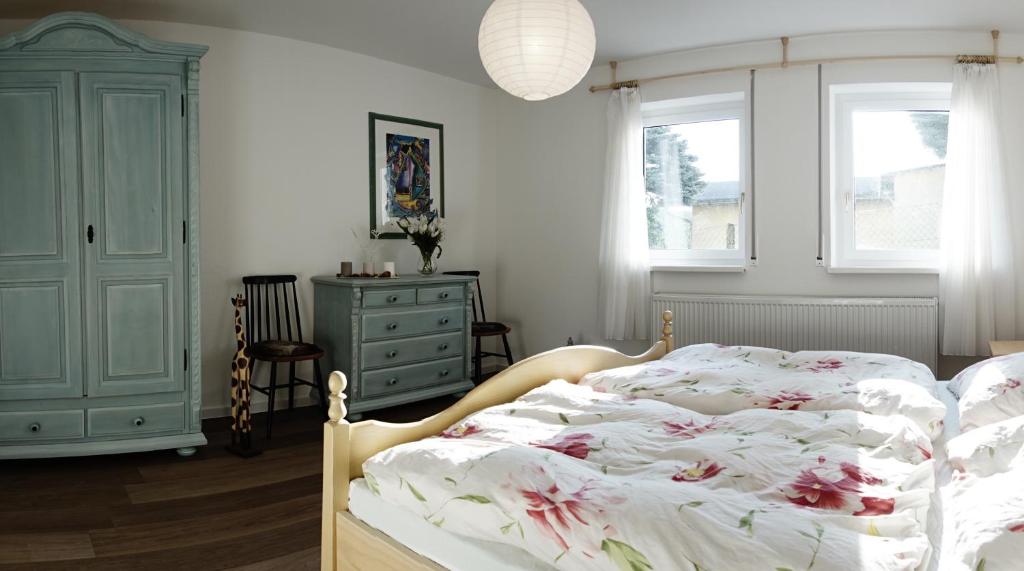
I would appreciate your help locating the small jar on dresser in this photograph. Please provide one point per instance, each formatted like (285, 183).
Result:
(398, 340)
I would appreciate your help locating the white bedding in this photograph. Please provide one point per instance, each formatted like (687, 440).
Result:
(840, 478)
(461, 553)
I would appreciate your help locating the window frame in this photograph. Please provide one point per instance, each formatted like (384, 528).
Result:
(698, 109)
(845, 100)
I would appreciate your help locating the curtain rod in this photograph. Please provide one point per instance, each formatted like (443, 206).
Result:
(786, 62)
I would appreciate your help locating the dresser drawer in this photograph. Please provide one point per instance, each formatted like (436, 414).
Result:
(417, 322)
(393, 352)
(409, 377)
(389, 297)
(440, 294)
(42, 425)
(131, 420)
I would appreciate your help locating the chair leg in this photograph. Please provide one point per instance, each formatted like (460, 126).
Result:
(291, 385)
(508, 350)
(270, 397)
(320, 388)
(477, 358)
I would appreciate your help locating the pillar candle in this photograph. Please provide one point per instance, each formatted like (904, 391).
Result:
(346, 268)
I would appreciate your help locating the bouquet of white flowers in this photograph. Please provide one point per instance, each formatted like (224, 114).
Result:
(425, 231)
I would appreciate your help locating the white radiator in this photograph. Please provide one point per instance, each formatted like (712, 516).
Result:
(903, 326)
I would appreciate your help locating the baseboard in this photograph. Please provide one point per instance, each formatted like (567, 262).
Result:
(258, 406)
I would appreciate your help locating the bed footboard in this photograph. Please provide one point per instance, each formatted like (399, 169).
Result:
(347, 446)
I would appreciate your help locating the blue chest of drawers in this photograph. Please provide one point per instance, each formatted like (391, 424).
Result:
(398, 340)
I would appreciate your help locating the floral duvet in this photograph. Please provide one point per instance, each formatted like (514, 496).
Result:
(713, 458)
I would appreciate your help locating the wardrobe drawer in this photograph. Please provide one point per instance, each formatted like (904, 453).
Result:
(419, 322)
(42, 425)
(400, 351)
(388, 297)
(131, 420)
(409, 377)
(440, 294)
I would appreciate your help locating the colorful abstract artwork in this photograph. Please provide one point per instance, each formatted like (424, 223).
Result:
(408, 167)
(406, 171)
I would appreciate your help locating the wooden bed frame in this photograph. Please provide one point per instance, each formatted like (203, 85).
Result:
(349, 544)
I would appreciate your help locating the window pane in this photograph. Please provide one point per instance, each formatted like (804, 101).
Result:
(899, 165)
(692, 173)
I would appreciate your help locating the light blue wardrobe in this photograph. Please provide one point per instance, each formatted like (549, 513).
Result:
(99, 243)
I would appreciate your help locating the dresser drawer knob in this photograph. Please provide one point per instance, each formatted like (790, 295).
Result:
(139, 421)
(392, 354)
(442, 347)
(444, 372)
(444, 295)
(392, 382)
(392, 298)
(35, 427)
(444, 321)
(392, 326)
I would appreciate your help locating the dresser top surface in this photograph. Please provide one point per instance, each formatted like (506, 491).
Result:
(412, 280)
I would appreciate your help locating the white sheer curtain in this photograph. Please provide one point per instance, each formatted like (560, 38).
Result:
(624, 269)
(976, 282)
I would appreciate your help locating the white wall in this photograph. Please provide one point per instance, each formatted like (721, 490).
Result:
(551, 174)
(283, 173)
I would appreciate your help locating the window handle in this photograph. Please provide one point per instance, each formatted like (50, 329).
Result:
(847, 199)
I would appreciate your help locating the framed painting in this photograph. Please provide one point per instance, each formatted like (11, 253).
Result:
(406, 171)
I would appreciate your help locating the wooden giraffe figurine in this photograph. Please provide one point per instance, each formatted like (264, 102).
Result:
(241, 392)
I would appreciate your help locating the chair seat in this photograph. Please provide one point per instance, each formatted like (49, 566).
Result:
(489, 328)
(280, 350)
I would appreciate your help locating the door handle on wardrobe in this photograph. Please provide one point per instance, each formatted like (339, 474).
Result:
(90, 234)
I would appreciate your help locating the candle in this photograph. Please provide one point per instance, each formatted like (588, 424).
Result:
(389, 268)
(368, 268)
(346, 269)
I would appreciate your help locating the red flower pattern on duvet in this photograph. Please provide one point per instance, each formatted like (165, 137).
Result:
(461, 431)
(699, 472)
(688, 429)
(831, 490)
(555, 512)
(1016, 528)
(1008, 385)
(788, 400)
(829, 364)
(574, 445)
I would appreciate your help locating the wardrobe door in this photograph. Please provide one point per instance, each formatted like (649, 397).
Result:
(134, 205)
(40, 311)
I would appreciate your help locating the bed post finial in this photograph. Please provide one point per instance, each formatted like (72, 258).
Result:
(666, 330)
(336, 469)
(337, 383)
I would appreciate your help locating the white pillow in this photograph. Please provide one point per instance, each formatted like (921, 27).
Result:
(990, 391)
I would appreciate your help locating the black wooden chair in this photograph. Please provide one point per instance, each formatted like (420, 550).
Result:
(483, 328)
(268, 297)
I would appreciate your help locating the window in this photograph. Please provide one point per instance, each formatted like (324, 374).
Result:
(887, 173)
(695, 178)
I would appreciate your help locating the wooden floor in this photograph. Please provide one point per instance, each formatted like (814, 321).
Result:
(155, 510)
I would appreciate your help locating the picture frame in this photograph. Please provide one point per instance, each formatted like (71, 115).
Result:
(406, 171)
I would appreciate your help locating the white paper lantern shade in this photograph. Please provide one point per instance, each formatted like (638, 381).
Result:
(536, 49)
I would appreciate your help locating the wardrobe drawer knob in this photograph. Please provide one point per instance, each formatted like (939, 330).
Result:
(35, 427)
(444, 372)
(444, 321)
(392, 298)
(442, 347)
(392, 326)
(392, 354)
(444, 295)
(139, 421)
(392, 382)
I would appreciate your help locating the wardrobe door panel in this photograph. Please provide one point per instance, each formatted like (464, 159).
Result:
(40, 312)
(132, 172)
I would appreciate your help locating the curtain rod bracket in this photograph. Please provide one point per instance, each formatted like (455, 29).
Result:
(785, 51)
(995, 45)
(614, 65)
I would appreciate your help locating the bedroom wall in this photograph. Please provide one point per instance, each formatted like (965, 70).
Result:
(283, 147)
(550, 179)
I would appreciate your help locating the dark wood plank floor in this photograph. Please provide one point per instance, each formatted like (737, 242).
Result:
(155, 510)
